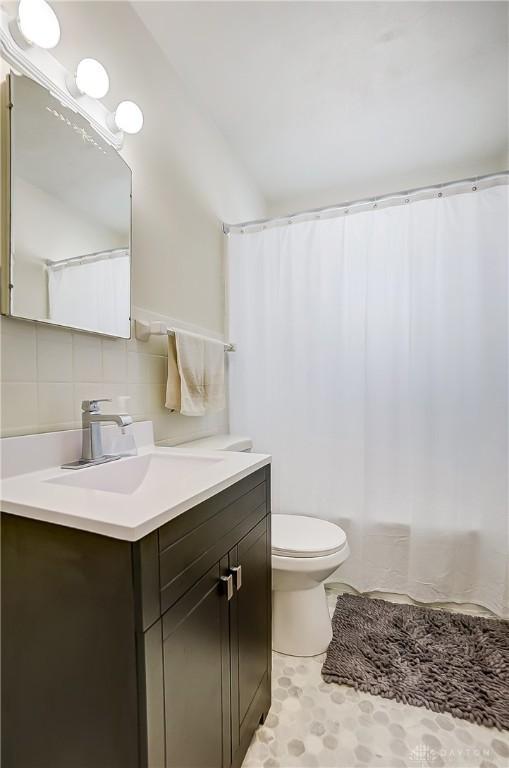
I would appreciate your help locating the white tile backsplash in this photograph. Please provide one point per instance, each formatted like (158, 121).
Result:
(46, 332)
(87, 358)
(18, 357)
(114, 363)
(146, 395)
(142, 368)
(46, 372)
(54, 360)
(19, 407)
(56, 404)
(19, 328)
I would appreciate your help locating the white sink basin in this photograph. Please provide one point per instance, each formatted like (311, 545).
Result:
(124, 499)
(129, 475)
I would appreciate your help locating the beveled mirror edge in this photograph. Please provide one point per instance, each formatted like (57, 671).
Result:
(5, 154)
(6, 222)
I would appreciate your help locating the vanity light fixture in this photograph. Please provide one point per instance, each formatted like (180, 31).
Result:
(91, 78)
(36, 23)
(128, 117)
(24, 42)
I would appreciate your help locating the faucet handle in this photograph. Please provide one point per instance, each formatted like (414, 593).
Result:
(92, 406)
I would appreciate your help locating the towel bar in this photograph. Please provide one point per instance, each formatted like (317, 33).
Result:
(144, 330)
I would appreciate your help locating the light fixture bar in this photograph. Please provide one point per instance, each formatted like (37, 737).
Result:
(38, 64)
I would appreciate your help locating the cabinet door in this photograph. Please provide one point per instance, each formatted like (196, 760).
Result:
(196, 659)
(250, 635)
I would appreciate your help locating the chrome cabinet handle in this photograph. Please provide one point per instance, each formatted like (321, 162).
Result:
(228, 580)
(237, 570)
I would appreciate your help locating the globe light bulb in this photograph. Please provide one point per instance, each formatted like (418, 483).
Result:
(129, 117)
(38, 24)
(91, 78)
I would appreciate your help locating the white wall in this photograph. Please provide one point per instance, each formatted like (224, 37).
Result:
(185, 183)
(185, 179)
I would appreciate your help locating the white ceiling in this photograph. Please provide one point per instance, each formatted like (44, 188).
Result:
(321, 98)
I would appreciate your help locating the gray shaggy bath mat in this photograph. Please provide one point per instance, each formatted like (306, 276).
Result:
(446, 662)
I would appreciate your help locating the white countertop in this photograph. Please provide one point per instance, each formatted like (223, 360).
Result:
(157, 489)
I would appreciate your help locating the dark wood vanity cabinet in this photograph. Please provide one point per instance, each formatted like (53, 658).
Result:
(155, 654)
(223, 646)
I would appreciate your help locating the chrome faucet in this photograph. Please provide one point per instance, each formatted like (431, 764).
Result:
(92, 419)
(92, 447)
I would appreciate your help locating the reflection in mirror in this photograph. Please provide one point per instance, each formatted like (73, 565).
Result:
(70, 218)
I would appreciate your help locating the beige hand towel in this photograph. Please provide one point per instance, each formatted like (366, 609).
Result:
(200, 365)
(173, 381)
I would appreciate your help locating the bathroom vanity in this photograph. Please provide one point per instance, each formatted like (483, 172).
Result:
(153, 652)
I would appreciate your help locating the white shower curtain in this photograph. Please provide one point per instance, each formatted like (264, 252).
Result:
(93, 294)
(372, 363)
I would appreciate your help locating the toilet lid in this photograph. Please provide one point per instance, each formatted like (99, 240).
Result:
(299, 536)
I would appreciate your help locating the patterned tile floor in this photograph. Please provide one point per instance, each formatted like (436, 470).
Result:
(312, 723)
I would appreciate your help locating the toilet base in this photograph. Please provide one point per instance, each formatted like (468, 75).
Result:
(301, 624)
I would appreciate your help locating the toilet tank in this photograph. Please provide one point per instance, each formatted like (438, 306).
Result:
(219, 443)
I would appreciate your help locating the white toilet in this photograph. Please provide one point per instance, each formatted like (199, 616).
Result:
(305, 551)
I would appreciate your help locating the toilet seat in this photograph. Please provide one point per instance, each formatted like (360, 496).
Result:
(301, 536)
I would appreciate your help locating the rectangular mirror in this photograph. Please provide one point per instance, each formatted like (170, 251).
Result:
(68, 256)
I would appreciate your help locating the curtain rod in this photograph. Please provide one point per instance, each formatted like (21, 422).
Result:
(393, 198)
(96, 256)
